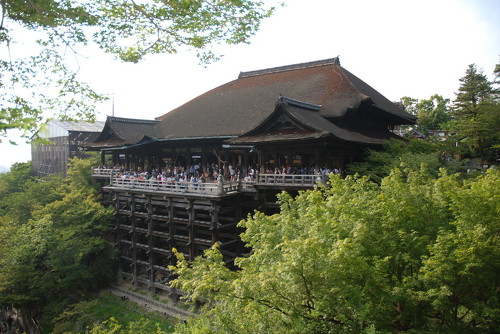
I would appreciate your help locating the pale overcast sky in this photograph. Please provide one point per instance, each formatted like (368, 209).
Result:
(400, 48)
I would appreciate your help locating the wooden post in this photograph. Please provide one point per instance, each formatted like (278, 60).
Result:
(214, 228)
(118, 235)
(204, 159)
(191, 217)
(134, 240)
(171, 227)
(151, 245)
(127, 161)
(317, 157)
(220, 185)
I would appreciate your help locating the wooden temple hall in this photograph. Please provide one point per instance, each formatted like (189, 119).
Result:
(234, 147)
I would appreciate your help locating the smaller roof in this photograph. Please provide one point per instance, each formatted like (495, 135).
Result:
(297, 120)
(119, 131)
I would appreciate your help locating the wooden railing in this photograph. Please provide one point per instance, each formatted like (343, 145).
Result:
(100, 172)
(290, 180)
(209, 188)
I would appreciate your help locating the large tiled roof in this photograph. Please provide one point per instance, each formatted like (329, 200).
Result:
(240, 105)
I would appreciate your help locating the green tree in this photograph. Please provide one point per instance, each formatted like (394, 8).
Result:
(56, 252)
(378, 164)
(47, 79)
(461, 273)
(15, 180)
(357, 257)
(476, 115)
(431, 113)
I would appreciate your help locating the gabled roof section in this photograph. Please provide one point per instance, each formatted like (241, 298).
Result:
(239, 106)
(119, 131)
(294, 120)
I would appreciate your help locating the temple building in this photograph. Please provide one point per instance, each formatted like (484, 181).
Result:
(187, 178)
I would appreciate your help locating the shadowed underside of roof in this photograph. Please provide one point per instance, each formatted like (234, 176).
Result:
(240, 105)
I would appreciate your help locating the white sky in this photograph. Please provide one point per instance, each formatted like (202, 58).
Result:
(399, 47)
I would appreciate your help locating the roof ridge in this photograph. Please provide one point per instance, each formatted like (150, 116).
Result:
(132, 120)
(329, 61)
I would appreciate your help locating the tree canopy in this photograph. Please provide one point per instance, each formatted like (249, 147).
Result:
(431, 113)
(53, 247)
(44, 78)
(417, 253)
(476, 115)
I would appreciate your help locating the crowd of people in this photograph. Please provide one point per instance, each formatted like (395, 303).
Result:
(212, 173)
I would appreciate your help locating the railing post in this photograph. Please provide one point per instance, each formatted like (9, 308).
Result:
(220, 181)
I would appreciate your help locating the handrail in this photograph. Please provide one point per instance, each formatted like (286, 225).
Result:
(216, 188)
(291, 179)
(103, 171)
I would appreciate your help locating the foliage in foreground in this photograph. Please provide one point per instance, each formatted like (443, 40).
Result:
(416, 253)
(53, 248)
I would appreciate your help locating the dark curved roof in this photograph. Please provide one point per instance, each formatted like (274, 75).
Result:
(238, 106)
(309, 124)
(119, 131)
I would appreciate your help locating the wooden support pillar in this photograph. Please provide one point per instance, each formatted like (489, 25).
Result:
(341, 160)
(261, 160)
(134, 240)
(317, 159)
(245, 163)
(191, 217)
(150, 245)
(171, 227)
(189, 161)
(275, 159)
(141, 162)
(127, 161)
(238, 217)
(118, 235)
(328, 161)
(225, 166)
(289, 155)
(214, 228)
(204, 159)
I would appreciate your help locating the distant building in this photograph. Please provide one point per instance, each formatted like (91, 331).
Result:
(67, 138)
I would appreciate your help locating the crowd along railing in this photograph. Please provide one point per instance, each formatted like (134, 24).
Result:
(216, 188)
(205, 188)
